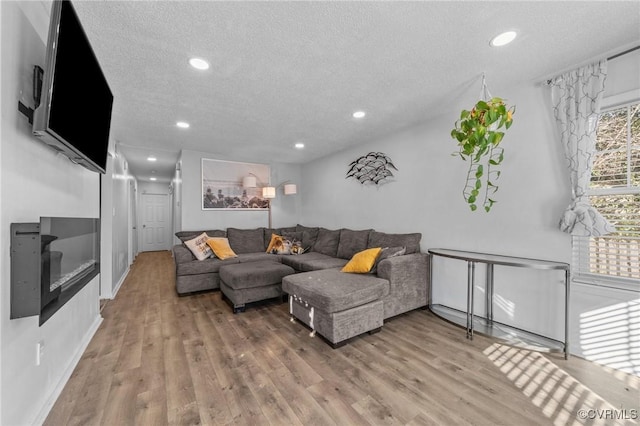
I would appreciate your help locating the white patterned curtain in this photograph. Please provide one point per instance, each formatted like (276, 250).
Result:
(576, 99)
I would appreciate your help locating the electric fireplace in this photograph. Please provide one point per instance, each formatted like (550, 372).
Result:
(50, 262)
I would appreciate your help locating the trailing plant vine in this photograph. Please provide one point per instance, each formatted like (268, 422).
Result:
(479, 136)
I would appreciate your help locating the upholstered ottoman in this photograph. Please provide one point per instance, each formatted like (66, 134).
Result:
(336, 304)
(248, 282)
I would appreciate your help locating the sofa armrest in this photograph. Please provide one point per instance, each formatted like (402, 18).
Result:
(408, 277)
(181, 254)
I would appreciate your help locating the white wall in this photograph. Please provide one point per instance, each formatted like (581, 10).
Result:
(426, 196)
(120, 230)
(106, 224)
(116, 223)
(133, 220)
(285, 210)
(176, 206)
(35, 181)
(622, 74)
(2, 262)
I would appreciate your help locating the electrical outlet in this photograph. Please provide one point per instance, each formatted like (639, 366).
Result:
(39, 352)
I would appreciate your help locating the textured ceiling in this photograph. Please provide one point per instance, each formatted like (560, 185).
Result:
(287, 72)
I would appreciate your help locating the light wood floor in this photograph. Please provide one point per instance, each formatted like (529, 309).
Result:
(162, 359)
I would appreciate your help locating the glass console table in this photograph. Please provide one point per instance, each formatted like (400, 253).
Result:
(486, 325)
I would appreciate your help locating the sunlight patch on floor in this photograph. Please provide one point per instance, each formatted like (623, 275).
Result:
(561, 398)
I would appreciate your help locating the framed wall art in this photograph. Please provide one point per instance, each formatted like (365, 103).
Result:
(222, 185)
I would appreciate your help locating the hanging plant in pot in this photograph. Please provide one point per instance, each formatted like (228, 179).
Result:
(479, 134)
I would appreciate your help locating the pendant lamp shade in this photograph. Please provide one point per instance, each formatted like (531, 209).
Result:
(249, 182)
(290, 189)
(269, 192)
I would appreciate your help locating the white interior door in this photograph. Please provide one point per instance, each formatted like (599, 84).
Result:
(155, 222)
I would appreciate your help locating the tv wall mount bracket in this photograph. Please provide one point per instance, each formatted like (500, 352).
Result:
(38, 73)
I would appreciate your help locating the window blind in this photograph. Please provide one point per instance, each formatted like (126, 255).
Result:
(617, 254)
(615, 193)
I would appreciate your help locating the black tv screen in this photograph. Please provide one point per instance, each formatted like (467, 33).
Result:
(74, 116)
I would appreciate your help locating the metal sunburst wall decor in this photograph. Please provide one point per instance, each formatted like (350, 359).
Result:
(373, 167)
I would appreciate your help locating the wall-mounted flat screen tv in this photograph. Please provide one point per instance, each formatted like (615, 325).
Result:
(74, 116)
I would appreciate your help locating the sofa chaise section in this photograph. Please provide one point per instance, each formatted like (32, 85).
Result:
(338, 306)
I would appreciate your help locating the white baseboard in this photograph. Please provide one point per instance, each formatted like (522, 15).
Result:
(120, 281)
(57, 391)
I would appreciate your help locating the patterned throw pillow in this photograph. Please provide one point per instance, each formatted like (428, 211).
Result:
(295, 242)
(221, 248)
(296, 247)
(199, 247)
(284, 244)
(363, 261)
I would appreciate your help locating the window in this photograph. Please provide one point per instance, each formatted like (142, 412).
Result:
(615, 192)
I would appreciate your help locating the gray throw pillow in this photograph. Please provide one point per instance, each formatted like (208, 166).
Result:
(295, 239)
(387, 253)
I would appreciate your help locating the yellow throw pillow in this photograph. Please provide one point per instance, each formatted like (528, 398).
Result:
(221, 248)
(363, 261)
(276, 241)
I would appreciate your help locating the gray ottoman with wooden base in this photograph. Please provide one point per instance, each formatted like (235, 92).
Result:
(244, 283)
(336, 304)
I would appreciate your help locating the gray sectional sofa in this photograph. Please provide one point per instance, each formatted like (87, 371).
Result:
(336, 304)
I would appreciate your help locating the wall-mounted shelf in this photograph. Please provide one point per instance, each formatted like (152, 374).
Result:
(485, 324)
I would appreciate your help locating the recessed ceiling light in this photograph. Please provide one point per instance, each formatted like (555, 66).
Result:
(359, 114)
(153, 178)
(504, 38)
(151, 158)
(182, 124)
(199, 63)
(299, 145)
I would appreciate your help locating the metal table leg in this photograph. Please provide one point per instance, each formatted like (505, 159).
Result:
(489, 293)
(471, 266)
(567, 280)
(430, 302)
(469, 279)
